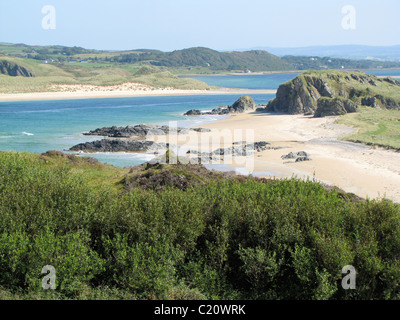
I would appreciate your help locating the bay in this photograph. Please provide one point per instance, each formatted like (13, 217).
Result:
(39, 126)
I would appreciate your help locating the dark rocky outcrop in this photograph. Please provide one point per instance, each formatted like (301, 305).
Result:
(294, 155)
(140, 130)
(238, 149)
(334, 107)
(299, 95)
(12, 69)
(193, 112)
(392, 81)
(200, 129)
(370, 102)
(119, 145)
(301, 159)
(347, 90)
(299, 156)
(243, 104)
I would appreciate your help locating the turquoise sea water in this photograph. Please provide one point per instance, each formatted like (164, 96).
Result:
(248, 81)
(267, 81)
(38, 126)
(386, 73)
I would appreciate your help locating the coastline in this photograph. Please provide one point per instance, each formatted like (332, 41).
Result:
(239, 74)
(102, 92)
(355, 168)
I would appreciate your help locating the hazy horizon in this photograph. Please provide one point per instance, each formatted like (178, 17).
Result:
(221, 25)
(183, 48)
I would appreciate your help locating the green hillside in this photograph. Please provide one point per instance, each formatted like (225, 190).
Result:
(214, 60)
(321, 63)
(46, 74)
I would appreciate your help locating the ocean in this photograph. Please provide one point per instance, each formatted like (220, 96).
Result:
(39, 126)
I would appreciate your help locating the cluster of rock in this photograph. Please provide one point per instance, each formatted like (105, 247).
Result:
(120, 145)
(238, 149)
(325, 94)
(244, 103)
(140, 130)
(12, 69)
(299, 156)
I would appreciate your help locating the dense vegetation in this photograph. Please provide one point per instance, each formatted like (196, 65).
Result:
(218, 237)
(214, 60)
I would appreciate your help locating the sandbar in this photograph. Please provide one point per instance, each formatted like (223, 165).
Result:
(66, 92)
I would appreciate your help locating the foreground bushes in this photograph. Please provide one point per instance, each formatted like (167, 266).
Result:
(226, 239)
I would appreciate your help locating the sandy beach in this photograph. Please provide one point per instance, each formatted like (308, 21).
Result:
(65, 92)
(356, 168)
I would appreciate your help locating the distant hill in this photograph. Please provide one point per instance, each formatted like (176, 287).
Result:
(321, 63)
(81, 62)
(256, 60)
(354, 52)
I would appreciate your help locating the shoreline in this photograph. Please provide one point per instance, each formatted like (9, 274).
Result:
(70, 95)
(278, 72)
(238, 74)
(355, 168)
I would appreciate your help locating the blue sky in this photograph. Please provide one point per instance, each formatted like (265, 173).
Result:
(218, 24)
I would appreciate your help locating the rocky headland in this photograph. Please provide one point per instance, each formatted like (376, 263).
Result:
(331, 93)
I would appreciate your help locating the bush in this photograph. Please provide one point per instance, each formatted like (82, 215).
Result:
(220, 239)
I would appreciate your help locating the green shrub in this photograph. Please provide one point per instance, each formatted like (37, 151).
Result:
(220, 239)
(146, 269)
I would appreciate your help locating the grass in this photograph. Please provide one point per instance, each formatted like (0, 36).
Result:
(378, 127)
(96, 174)
(382, 88)
(167, 79)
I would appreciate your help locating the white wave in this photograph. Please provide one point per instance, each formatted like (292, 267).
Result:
(27, 134)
